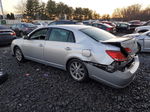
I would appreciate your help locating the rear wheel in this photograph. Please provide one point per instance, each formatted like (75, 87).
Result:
(77, 70)
(18, 54)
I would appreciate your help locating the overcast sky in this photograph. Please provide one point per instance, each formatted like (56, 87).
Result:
(100, 6)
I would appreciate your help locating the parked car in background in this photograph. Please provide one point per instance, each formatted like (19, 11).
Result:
(144, 28)
(22, 29)
(122, 27)
(3, 77)
(105, 27)
(40, 24)
(62, 22)
(125, 27)
(109, 23)
(135, 22)
(146, 23)
(143, 40)
(84, 51)
(6, 35)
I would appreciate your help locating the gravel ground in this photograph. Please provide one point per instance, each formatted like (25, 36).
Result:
(34, 87)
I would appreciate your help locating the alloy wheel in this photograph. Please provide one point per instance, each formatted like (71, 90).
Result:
(77, 70)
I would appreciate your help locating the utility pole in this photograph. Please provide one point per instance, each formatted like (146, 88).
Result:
(1, 5)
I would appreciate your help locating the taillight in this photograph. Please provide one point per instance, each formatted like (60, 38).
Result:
(116, 55)
(13, 33)
(108, 29)
(128, 50)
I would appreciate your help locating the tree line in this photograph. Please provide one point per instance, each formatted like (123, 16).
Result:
(34, 9)
(133, 12)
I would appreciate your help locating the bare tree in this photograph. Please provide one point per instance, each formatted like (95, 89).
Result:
(21, 7)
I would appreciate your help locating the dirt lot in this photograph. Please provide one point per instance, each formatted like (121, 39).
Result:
(34, 87)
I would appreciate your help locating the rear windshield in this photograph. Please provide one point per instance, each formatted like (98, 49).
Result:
(97, 34)
(67, 22)
(3, 27)
(107, 25)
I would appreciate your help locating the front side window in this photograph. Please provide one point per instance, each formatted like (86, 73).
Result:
(97, 34)
(39, 35)
(148, 34)
(61, 35)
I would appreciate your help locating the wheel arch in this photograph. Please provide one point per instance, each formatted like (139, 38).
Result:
(16, 46)
(71, 58)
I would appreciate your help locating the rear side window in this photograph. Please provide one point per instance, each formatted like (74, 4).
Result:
(61, 35)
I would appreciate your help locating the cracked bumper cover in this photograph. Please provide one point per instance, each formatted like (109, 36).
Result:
(117, 79)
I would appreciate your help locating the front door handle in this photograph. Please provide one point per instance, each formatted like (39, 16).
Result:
(68, 48)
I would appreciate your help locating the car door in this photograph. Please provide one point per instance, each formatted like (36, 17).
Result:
(59, 43)
(33, 46)
(147, 41)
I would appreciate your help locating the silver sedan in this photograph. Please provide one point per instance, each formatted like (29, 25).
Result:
(143, 40)
(84, 51)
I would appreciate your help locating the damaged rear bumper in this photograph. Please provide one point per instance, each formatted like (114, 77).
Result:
(117, 79)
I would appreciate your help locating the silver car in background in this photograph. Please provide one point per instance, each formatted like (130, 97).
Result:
(143, 40)
(84, 51)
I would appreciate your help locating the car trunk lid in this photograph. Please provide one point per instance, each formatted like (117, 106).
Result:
(128, 46)
(6, 32)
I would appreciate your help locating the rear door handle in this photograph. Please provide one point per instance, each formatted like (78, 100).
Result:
(68, 48)
(40, 45)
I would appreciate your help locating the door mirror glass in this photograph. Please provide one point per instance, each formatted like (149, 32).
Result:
(25, 37)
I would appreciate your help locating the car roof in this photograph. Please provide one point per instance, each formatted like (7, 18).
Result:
(70, 27)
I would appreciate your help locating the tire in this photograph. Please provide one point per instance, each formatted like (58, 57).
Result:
(77, 70)
(19, 55)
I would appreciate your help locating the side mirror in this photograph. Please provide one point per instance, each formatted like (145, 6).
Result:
(25, 37)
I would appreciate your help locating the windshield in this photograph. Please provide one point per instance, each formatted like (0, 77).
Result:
(97, 34)
(37, 24)
(29, 25)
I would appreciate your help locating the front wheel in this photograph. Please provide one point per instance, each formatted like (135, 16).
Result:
(77, 70)
(18, 54)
